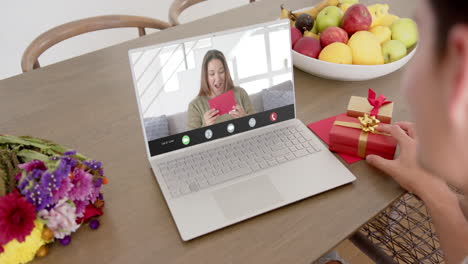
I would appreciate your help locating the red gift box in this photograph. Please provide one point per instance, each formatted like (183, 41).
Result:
(347, 136)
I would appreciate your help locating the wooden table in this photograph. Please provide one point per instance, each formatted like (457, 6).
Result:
(88, 103)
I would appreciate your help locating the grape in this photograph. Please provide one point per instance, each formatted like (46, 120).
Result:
(304, 22)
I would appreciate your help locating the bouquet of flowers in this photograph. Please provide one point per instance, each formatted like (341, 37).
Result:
(46, 193)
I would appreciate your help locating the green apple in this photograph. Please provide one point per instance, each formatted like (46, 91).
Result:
(393, 50)
(314, 28)
(406, 31)
(330, 16)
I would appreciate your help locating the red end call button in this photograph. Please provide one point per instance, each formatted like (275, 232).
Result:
(273, 117)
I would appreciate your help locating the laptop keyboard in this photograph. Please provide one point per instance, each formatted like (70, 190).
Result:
(226, 162)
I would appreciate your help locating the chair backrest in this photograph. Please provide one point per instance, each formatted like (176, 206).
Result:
(55, 35)
(178, 6)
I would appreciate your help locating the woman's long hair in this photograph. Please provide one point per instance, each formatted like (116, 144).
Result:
(204, 86)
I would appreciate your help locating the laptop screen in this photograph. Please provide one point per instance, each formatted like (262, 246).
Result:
(209, 87)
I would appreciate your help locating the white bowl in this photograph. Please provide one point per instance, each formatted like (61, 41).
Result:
(346, 72)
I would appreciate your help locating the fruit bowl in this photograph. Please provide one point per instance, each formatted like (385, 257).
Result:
(343, 72)
(363, 30)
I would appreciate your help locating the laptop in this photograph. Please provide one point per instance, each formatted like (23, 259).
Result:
(219, 121)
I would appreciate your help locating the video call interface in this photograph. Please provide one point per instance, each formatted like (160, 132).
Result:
(211, 87)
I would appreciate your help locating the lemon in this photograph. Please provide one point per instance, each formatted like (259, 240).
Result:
(365, 48)
(378, 12)
(344, 7)
(382, 33)
(337, 53)
(388, 20)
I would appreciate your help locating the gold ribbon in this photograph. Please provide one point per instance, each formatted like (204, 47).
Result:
(368, 124)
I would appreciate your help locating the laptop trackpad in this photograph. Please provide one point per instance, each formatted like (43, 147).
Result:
(247, 197)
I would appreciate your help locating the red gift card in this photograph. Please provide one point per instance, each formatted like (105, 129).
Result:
(223, 103)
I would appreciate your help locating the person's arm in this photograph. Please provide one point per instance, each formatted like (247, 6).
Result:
(449, 221)
(463, 201)
(246, 103)
(443, 204)
(194, 117)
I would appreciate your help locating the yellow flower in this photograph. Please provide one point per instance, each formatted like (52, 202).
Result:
(18, 253)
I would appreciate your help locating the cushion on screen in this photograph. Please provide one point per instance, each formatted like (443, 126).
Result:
(156, 127)
(278, 96)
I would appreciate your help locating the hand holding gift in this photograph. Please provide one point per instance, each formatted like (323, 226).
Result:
(404, 169)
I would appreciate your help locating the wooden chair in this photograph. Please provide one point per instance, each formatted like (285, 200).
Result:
(178, 6)
(55, 35)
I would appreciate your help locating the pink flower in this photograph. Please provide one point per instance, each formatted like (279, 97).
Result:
(80, 207)
(63, 190)
(61, 219)
(34, 164)
(16, 218)
(82, 185)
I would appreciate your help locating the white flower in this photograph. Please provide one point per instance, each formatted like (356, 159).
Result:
(61, 218)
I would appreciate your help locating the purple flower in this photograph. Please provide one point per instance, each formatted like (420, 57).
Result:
(82, 185)
(65, 241)
(92, 164)
(35, 164)
(64, 169)
(37, 187)
(39, 196)
(94, 224)
(97, 182)
(69, 162)
(69, 153)
(48, 181)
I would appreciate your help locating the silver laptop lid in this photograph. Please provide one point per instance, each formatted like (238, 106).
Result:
(245, 75)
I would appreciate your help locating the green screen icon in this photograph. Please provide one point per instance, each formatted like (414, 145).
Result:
(185, 140)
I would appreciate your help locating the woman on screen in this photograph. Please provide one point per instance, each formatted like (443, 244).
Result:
(216, 80)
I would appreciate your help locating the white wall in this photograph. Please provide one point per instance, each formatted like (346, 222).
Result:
(21, 21)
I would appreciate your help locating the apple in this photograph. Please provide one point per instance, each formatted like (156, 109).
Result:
(295, 35)
(308, 46)
(357, 18)
(333, 34)
(330, 16)
(406, 31)
(393, 50)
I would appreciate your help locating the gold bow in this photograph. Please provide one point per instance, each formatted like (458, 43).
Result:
(369, 123)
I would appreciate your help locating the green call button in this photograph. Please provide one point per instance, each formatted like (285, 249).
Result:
(185, 140)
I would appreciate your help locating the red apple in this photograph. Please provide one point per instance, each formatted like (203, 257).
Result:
(308, 46)
(333, 34)
(357, 18)
(295, 35)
